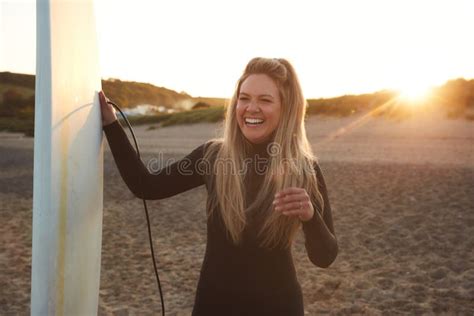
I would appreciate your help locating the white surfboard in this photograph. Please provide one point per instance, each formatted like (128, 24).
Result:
(68, 161)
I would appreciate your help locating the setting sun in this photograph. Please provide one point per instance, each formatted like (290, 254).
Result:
(414, 91)
(414, 94)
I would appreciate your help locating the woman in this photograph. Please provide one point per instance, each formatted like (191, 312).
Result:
(263, 183)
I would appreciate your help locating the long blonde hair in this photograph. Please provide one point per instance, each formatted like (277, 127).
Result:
(291, 164)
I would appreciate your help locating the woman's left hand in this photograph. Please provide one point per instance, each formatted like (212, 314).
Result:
(294, 202)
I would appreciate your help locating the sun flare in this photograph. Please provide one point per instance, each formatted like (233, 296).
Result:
(414, 93)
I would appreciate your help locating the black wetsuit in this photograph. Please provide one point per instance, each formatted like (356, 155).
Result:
(234, 280)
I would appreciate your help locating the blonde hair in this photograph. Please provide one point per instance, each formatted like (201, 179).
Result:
(291, 165)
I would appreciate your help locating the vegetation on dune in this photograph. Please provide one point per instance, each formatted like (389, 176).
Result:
(17, 110)
(212, 114)
(455, 98)
(348, 104)
(130, 93)
(17, 80)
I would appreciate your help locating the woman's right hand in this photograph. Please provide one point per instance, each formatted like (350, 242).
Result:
(107, 110)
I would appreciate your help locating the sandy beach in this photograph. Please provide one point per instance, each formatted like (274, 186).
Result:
(402, 195)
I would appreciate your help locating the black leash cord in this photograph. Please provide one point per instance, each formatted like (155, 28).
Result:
(146, 210)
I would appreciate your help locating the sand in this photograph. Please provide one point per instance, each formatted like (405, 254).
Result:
(402, 195)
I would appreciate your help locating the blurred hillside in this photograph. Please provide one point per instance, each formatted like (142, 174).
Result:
(126, 93)
(455, 99)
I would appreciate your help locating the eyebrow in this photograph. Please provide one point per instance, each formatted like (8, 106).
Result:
(262, 95)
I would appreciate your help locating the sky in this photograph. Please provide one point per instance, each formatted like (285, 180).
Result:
(201, 47)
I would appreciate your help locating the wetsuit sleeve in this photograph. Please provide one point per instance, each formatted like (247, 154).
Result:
(170, 180)
(320, 238)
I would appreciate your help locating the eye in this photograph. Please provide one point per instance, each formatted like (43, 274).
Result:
(243, 98)
(267, 100)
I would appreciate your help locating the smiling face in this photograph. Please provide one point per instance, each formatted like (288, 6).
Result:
(258, 108)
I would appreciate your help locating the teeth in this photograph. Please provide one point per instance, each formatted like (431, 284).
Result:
(253, 121)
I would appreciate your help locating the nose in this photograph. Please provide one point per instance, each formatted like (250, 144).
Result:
(253, 107)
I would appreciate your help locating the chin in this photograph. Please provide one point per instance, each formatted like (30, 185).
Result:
(254, 140)
(252, 137)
